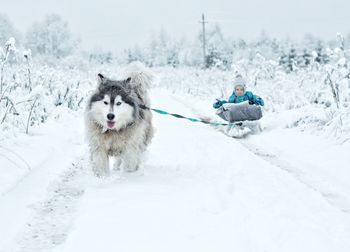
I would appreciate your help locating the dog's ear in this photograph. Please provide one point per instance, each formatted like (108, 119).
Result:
(101, 79)
(128, 80)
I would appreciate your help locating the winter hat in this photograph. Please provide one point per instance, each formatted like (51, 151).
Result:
(239, 81)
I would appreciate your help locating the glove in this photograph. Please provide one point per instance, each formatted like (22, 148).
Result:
(260, 101)
(217, 104)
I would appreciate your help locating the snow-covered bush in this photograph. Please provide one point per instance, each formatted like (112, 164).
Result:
(30, 90)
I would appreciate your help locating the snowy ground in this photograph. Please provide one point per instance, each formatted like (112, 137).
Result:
(282, 190)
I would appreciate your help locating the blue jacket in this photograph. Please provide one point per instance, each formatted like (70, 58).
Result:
(248, 96)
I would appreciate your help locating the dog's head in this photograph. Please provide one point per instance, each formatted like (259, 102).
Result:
(114, 105)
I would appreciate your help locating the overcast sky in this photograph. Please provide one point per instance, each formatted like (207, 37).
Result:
(117, 24)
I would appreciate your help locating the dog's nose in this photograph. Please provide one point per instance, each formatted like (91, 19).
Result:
(110, 116)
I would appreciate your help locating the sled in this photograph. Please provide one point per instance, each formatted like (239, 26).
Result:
(238, 112)
(244, 116)
(241, 129)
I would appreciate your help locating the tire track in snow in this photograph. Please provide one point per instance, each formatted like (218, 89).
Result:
(49, 227)
(332, 196)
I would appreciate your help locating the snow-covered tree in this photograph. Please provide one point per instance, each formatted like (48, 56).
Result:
(160, 50)
(100, 56)
(219, 53)
(52, 37)
(7, 30)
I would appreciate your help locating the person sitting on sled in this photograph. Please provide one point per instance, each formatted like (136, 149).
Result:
(240, 94)
(240, 111)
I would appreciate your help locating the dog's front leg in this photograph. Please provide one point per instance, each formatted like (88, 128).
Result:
(100, 163)
(131, 161)
(117, 163)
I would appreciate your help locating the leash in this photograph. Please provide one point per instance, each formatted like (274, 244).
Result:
(162, 112)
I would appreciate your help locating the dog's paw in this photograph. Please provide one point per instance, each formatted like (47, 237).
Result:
(100, 173)
(133, 174)
(131, 169)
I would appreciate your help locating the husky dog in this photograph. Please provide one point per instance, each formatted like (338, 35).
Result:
(117, 123)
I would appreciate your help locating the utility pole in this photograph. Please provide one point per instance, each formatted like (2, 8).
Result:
(203, 40)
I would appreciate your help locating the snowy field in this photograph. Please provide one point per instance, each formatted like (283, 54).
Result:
(285, 189)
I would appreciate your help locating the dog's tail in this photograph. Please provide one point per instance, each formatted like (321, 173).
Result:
(141, 77)
(139, 74)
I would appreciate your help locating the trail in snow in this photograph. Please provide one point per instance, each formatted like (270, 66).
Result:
(49, 152)
(50, 224)
(334, 196)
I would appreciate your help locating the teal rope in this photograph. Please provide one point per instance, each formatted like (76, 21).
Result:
(162, 112)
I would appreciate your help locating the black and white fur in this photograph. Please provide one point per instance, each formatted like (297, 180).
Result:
(116, 126)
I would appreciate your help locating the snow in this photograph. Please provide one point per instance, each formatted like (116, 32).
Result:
(24, 184)
(342, 62)
(199, 190)
(206, 196)
(11, 42)
(322, 166)
(27, 53)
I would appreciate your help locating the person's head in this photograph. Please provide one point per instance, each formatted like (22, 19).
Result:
(239, 85)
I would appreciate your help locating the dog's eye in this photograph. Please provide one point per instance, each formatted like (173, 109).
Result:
(118, 103)
(105, 102)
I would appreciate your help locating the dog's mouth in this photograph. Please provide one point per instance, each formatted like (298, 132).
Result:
(110, 124)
